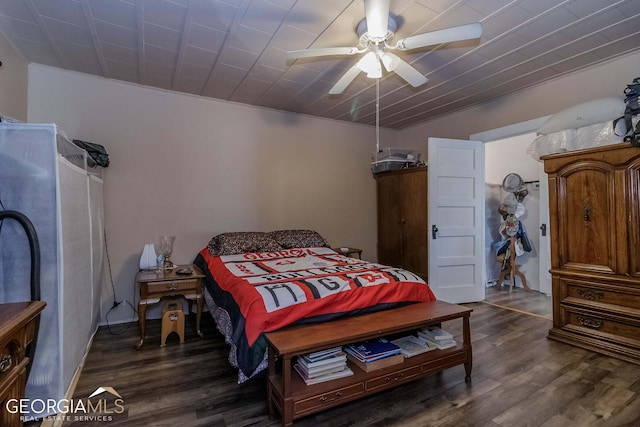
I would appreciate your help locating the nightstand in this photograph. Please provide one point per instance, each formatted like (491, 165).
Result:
(153, 286)
(350, 252)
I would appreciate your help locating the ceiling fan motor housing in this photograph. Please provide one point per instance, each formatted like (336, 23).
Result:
(365, 40)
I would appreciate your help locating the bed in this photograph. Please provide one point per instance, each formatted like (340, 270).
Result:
(258, 282)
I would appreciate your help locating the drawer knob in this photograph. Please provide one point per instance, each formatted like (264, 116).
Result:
(394, 378)
(590, 322)
(172, 286)
(336, 395)
(5, 363)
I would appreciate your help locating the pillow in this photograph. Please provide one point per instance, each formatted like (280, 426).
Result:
(298, 239)
(242, 242)
(585, 114)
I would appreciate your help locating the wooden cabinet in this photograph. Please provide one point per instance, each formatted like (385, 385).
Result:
(594, 207)
(18, 328)
(294, 399)
(402, 219)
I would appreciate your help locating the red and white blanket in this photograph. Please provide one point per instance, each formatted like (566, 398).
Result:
(276, 289)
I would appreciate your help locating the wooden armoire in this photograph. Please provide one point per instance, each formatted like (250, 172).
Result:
(402, 219)
(594, 207)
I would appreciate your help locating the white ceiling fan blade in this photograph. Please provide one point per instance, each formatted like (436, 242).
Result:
(377, 15)
(453, 34)
(345, 80)
(322, 51)
(403, 69)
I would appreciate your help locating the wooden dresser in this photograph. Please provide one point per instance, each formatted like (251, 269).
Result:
(594, 207)
(402, 219)
(18, 327)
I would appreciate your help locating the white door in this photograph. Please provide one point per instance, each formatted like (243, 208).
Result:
(456, 219)
(545, 244)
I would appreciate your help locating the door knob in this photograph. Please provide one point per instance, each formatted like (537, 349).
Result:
(434, 230)
(543, 228)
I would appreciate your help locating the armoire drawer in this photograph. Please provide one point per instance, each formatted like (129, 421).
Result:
(594, 323)
(593, 293)
(11, 353)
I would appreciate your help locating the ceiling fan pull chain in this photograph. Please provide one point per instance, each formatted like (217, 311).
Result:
(377, 115)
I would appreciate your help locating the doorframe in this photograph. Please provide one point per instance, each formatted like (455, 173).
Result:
(509, 131)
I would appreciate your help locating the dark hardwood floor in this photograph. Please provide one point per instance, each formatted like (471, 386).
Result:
(518, 299)
(519, 378)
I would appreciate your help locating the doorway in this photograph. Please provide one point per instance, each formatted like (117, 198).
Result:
(502, 157)
(506, 152)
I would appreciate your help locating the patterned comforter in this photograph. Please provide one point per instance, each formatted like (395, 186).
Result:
(265, 291)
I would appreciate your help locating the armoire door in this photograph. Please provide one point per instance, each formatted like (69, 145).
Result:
(632, 215)
(389, 219)
(414, 222)
(587, 218)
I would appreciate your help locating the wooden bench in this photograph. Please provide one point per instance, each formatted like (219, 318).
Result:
(294, 399)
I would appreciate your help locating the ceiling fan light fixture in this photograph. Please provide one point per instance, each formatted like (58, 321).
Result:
(376, 32)
(370, 64)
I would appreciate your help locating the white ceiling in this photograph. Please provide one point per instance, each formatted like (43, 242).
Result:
(235, 49)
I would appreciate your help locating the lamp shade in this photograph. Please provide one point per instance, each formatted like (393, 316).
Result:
(370, 64)
(148, 257)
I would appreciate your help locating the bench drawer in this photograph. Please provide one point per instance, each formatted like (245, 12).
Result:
(327, 399)
(393, 377)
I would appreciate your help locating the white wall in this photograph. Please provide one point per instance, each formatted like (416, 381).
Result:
(13, 82)
(193, 167)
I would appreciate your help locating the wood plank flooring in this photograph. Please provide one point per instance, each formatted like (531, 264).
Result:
(519, 378)
(518, 299)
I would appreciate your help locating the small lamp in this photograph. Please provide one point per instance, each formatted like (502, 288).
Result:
(164, 249)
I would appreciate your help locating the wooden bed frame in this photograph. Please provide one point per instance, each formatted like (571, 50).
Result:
(294, 399)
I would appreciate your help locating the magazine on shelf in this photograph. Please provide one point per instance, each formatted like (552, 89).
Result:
(314, 374)
(441, 345)
(436, 334)
(345, 372)
(322, 354)
(411, 345)
(322, 362)
(372, 350)
(322, 369)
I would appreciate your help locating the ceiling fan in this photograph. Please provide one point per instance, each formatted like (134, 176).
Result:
(376, 32)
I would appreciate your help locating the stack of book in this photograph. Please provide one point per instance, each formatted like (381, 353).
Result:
(321, 366)
(438, 336)
(374, 354)
(412, 345)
